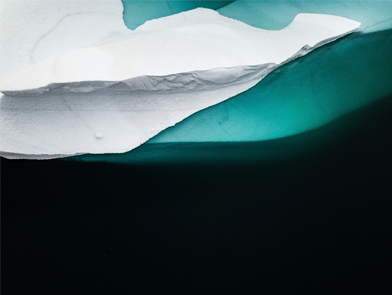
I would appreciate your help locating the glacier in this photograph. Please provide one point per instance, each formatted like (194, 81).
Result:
(50, 110)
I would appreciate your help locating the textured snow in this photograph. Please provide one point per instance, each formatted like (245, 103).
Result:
(113, 97)
(34, 30)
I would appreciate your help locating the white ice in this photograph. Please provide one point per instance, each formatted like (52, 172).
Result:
(170, 68)
(199, 39)
(34, 30)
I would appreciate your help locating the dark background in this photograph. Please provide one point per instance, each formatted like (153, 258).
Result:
(313, 222)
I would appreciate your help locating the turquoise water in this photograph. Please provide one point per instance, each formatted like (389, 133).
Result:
(137, 12)
(310, 143)
(299, 97)
(305, 94)
(374, 15)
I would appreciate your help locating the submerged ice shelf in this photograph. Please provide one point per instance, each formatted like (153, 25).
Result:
(81, 113)
(307, 93)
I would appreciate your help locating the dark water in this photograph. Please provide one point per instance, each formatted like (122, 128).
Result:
(315, 222)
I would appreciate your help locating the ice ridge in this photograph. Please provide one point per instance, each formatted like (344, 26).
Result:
(196, 80)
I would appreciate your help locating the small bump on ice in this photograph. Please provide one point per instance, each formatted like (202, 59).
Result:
(98, 135)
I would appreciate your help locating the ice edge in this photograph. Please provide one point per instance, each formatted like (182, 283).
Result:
(193, 81)
(177, 81)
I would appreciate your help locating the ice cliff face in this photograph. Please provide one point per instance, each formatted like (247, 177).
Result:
(113, 97)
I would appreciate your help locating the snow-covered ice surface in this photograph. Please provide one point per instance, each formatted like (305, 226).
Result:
(127, 91)
(65, 123)
(34, 30)
(199, 39)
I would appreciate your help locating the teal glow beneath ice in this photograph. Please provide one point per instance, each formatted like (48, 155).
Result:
(309, 92)
(137, 12)
(302, 105)
(301, 97)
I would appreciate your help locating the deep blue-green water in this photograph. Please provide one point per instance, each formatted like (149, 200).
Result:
(302, 208)
(304, 95)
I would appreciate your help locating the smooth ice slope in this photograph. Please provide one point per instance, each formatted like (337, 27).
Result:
(196, 40)
(60, 123)
(34, 30)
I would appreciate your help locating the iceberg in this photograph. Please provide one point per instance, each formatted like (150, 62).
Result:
(196, 40)
(113, 97)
